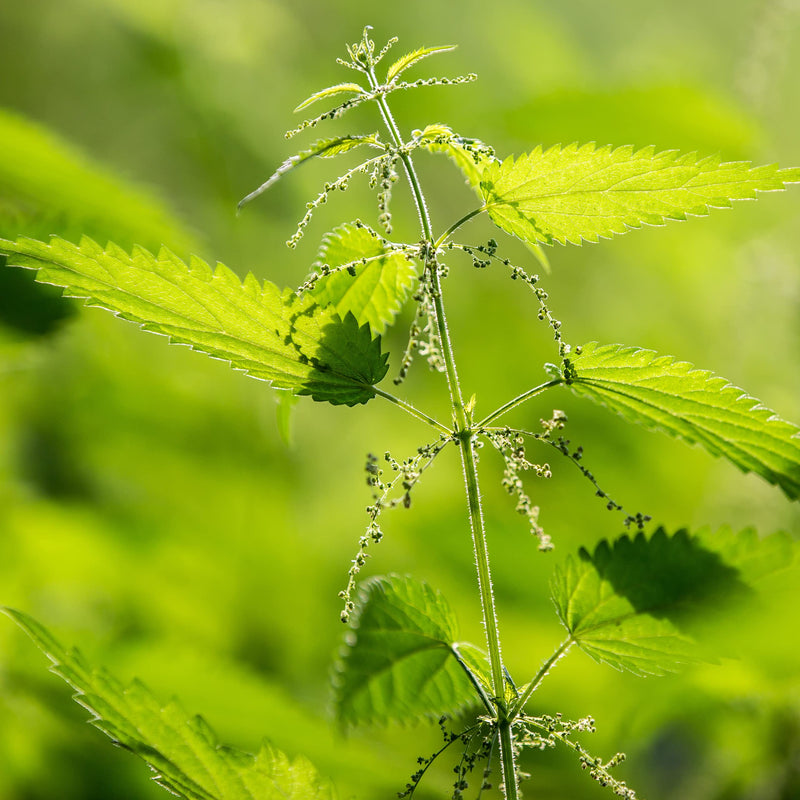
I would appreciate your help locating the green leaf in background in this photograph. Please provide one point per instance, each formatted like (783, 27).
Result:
(272, 335)
(324, 148)
(409, 59)
(691, 404)
(585, 193)
(634, 603)
(331, 91)
(379, 287)
(399, 662)
(47, 186)
(183, 751)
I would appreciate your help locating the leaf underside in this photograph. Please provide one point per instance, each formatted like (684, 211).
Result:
(691, 404)
(584, 192)
(270, 334)
(398, 664)
(634, 603)
(379, 287)
(183, 751)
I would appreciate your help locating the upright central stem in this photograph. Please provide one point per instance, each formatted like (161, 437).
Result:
(464, 433)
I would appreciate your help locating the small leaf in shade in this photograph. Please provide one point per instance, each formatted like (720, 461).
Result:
(675, 397)
(399, 664)
(636, 602)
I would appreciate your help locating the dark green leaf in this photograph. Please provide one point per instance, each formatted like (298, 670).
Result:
(398, 663)
(635, 603)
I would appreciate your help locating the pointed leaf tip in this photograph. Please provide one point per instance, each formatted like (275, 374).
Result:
(583, 193)
(292, 342)
(675, 397)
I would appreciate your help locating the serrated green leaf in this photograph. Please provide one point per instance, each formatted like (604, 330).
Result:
(183, 751)
(634, 603)
(691, 404)
(378, 289)
(276, 336)
(409, 59)
(585, 193)
(398, 663)
(331, 91)
(324, 148)
(470, 155)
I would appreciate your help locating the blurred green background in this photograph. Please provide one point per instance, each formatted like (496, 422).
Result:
(150, 511)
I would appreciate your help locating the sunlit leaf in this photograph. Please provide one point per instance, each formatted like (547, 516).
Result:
(634, 603)
(331, 91)
(691, 404)
(182, 750)
(324, 148)
(471, 155)
(377, 289)
(272, 335)
(399, 663)
(409, 59)
(585, 193)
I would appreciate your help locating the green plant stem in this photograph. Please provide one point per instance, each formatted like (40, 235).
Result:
(518, 401)
(455, 226)
(413, 411)
(464, 432)
(519, 703)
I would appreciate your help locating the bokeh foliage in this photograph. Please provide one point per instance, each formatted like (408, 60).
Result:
(150, 510)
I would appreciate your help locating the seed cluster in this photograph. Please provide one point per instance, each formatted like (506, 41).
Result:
(407, 475)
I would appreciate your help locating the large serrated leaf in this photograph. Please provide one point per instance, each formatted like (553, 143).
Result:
(183, 751)
(692, 404)
(634, 603)
(585, 193)
(409, 59)
(276, 336)
(379, 287)
(399, 662)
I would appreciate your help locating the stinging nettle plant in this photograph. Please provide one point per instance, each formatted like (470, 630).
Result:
(635, 603)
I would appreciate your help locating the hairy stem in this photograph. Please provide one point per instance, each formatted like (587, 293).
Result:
(519, 703)
(518, 401)
(413, 411)
(465, 434)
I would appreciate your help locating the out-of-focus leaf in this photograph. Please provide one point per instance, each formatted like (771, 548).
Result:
(183, 751)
